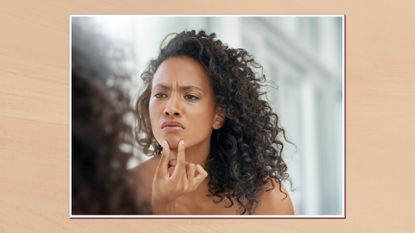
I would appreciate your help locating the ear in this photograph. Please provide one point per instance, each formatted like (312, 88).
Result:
(219, 118)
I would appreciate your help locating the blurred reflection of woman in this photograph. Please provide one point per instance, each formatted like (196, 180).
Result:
(216, 144)
(101, 183)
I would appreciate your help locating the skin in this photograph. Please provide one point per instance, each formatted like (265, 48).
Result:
(176, 181)
(182, 92)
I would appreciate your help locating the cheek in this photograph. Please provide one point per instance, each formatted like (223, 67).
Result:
(151, 110)
(204, 114)
(153, 113)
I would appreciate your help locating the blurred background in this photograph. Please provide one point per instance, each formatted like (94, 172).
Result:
(302, 57)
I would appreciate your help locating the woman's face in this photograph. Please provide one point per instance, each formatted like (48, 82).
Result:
(182, 103)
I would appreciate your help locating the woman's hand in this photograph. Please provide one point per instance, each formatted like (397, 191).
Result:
(167, 187)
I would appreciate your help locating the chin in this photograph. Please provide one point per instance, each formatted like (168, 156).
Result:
(172, 140)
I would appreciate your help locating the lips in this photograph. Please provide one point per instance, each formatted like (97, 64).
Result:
(172, 125)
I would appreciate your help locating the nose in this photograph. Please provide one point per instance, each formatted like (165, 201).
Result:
(172, 107)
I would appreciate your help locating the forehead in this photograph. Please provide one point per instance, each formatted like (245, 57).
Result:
(182, 70)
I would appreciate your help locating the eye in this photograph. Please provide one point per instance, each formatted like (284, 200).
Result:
(160, 95)
(191, 97)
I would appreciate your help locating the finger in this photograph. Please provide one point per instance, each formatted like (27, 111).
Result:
(171, 170)
(181, 152)
(201, 176)
(172, 162)
(191, 170)
(172, 165)
(164, 161)
(181, 161)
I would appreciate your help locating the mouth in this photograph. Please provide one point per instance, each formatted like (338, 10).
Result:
(172, 126)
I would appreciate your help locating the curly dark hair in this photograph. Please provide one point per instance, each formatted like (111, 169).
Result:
(246, 152)
(101, 183)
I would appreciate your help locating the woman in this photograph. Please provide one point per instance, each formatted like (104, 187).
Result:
(216, 145)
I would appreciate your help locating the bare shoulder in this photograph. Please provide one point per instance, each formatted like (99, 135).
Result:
(275, 201)
(144, 172)
(143, 178)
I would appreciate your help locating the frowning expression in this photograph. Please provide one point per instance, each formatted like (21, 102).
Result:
(182, 103)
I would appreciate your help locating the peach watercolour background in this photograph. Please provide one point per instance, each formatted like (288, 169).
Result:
(34, 115)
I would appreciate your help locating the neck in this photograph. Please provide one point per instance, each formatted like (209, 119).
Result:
(196, 154)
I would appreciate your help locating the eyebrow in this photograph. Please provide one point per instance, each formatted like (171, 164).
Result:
(185, 88)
